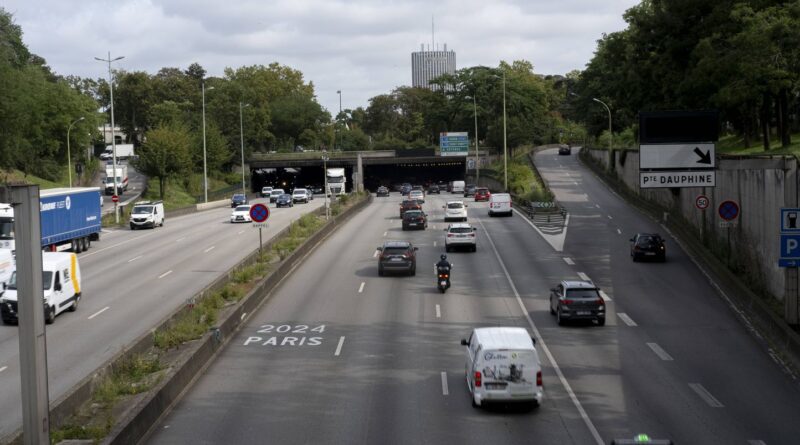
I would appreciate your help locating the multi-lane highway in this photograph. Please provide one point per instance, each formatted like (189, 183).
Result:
(341, 355)
(131, 280)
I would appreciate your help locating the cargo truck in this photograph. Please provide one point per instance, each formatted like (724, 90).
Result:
(124, 151)
(122, 179)
(336, 182)
(69, 218)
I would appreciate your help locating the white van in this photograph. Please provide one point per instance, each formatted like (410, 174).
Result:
(61, 281)
(147, 214)
(500, 204)
(457, 187)
(6, 264)
(503, 366)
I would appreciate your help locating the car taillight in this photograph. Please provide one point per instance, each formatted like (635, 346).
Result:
(510, 205)
(478, 379)
(450, 235)
(539, 378)
(472, 235)
(567, 302)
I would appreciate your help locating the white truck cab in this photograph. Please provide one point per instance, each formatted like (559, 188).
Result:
(503, 366)
(61, 281)
(147, 214)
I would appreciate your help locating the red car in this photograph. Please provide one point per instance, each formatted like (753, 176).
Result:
(482, 194)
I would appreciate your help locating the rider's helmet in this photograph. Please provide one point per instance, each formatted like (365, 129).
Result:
(443, 257)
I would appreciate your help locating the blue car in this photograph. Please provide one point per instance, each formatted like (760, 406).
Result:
(284, 200)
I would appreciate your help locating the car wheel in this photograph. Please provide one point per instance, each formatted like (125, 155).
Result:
(559, 319)
(50, 317)
(413, 270)
(162, 222)
(552, 311)
(74, 306)
(84, 242)
(380, 271)
(601, 321)
(634, 258)
(447, 248)
(76, 246)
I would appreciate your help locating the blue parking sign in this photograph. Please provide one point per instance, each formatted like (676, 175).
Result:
(790, 250)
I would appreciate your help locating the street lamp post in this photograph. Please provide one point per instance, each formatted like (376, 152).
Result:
(113, 136)
(241, 134)
(339, 92)
(477, 153)
(505, 147)
(610, 131)
(325, 174)
(69, 159)
(205, 163)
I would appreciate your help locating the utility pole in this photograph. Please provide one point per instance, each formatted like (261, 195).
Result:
(477, 153)
(325, 174)
(505, 146)
(113, 137)
(69, 160)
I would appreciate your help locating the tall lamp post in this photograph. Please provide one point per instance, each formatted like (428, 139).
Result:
(241, 134)
(69, 159)
(505, 146)
(113, 136)
(477, 153)
(205, 163)
(339, 92)
(325, 174)
(610, 132)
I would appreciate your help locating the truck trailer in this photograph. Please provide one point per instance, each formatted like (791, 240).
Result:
(69, 219)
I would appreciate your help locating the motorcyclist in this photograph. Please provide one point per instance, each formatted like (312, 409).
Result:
(443, 263)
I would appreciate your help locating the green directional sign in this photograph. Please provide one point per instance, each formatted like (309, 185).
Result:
(454, 144)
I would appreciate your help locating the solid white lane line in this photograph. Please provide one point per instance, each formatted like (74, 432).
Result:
(339, 346)
(660, 352)
(3, 368)
(438, 311)
(180, 239)
(98, 313)
(134, 259)
(361, 288)
(619, 232)
(605, 296)
(209, 249)
(705, 395)
(541, 343)
(384, 233)
(626, 319)
(583, 276)
(165, 274)
(569, 261)
(444, 384)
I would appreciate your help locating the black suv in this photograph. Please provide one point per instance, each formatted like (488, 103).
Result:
(434, 189)
(647, 246)
(398, 256)
(577, 300)
(382, 191)
(415, 219)
(238, 199)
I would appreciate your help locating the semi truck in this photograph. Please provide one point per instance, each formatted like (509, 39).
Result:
(336, 182)
(69, 219)
(122, 179)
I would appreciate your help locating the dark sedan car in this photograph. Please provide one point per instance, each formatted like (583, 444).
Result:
(382, 191)
(648, 246)
(469, 190)
(434, 189)
(409, 204)
(415, 219)
(565, 150)
(284, 200)
(577, 300)
(397, 256)
(238, 199)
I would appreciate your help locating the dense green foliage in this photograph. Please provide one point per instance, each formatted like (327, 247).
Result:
(740, 57)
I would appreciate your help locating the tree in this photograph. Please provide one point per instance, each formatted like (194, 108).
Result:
(165, 154)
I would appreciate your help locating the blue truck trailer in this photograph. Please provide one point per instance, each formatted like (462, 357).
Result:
(70, 219)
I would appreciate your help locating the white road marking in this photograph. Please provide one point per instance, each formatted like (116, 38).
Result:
(165, 274)
(375, 255)
(384, 233)
(574, 182)
(339, 346)
(98, 313)
(619, 232)
(134, 259)
(610, 217)
(660, 352)
(438, 311)
(597, 205)
(361, 288)
(626, 319)
(569, 261)
(541, 343)
(750, 442)
(444, 384)
(240, 232)
(244, 314)
(209, 249)
(705, 395)
(604, 296)
(3, 368)
(555, 241)
(180, 239)
(583, 276)
(111, 247)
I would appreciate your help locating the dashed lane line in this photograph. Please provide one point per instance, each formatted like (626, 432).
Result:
(604, 296)
(706, 396)
(361, 288)
(98, 313)
(569, 261)
(112, 246)
(180, 239)
(619, 232)
(165, 274)
(339, 346)
(626, 319)
(3, 368)
(438, 311)
(209, 249)
(134, 259)
(660, 352)
(583, 276)
(610, 217)
(445, 391)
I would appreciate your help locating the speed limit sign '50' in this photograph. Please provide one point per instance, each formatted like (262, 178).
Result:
(702, 202)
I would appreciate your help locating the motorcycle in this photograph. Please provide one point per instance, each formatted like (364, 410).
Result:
(443, 280)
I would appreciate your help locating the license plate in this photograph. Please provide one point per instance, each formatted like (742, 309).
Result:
(649, 253)
(443, 283)
(412, 224)
(583, 312)
(495, 386)
(396, 260)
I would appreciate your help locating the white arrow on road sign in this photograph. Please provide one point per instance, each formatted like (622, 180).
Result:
(677, 156)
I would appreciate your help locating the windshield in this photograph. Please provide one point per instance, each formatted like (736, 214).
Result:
(412, 214)
(47, 277)
(582, 294)
(6, 228)
(336, 179)
(455, 205)
(143, 209)
(395, 250)
(300, 191)
(285, 196)
(242, 209)
(461, 230)
(276, 192)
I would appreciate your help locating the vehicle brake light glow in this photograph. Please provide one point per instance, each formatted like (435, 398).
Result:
(478, 379)
(567, 302)
(539, 378)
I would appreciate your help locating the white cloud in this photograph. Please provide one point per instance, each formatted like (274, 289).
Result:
(360, 47)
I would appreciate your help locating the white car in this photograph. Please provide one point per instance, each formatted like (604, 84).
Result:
(241, 214)
(265, 191)
(417, 194)
(460, 235)
(300, 195)
(455, 211)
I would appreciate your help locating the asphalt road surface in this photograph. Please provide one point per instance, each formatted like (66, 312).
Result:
(340, 355)
(132, 280)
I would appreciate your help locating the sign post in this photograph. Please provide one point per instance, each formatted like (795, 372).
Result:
(259, 213)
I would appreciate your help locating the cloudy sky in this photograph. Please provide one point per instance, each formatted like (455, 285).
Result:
(361, 47)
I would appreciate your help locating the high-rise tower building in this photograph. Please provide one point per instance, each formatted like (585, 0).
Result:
(428, 65)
